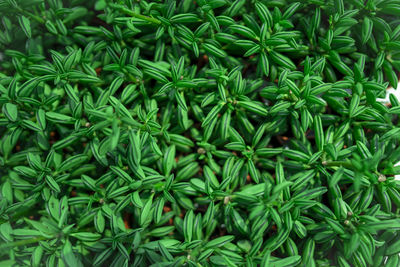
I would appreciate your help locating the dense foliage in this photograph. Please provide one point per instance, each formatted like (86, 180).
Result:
(199, 133)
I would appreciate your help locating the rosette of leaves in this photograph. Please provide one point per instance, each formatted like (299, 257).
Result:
(188, 133)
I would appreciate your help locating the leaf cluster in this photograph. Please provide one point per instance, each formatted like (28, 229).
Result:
(199, 133)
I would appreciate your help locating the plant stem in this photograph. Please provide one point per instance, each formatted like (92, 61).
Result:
(133, 14)
(24, 242)
(32, 16)
(338, 164)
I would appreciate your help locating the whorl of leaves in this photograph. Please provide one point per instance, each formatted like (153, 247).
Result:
(199, 133)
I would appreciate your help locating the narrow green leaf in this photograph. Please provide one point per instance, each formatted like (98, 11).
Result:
(25, 25)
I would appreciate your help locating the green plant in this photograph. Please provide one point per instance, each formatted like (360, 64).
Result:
(199, 133)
